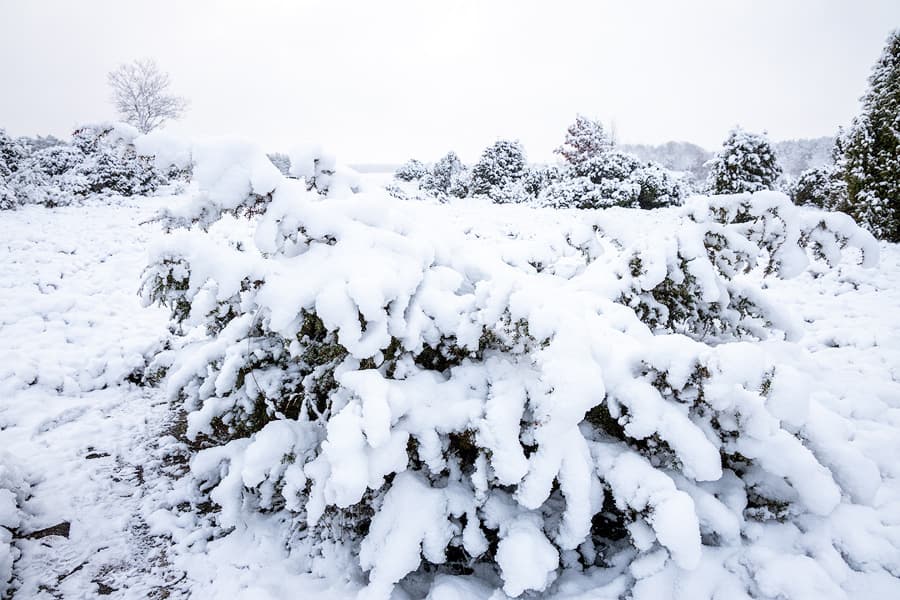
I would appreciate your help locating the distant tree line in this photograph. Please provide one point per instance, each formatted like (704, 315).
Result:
(861, 177)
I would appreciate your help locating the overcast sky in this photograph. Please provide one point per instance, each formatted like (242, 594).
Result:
(384, 81)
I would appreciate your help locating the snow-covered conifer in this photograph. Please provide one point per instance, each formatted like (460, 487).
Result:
(870, 164)
(501, 164)
(585, 139)
(746, 163)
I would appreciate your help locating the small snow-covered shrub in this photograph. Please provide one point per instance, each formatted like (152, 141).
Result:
(14, 490)
(322, 172)
(448, 177)
(746, 163)
(819, 187)
(503, 391)
(411, 170)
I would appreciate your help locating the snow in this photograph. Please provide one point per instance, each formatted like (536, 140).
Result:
(814, 404)
(78, 443)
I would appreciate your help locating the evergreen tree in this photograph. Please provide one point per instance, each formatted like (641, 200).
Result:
(746, 163)
(585, 139)
(501, 164)
(871, 150)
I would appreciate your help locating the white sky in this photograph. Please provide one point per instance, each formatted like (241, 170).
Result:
(385, 81)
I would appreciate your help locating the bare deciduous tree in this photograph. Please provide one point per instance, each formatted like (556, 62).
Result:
(140, 95)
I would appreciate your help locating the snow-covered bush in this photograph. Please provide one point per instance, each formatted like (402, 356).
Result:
(503, 391)
(8, 198)
(501, 166)
(12, 152)
(100, 160)
(448, 177)
(321, 171)
(14, 490)
(746, 163)
(110, 163)
(613, 178)
(597, 175)
(819, 187)
(411, 170)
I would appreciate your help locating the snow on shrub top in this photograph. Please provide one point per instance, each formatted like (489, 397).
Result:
(520, 389)
(14, 489)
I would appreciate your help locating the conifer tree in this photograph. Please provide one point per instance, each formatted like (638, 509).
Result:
(870, 164)
(746, 163)
(585, 139)
(500, 165)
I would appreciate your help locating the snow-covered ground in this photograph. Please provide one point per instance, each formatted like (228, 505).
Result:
(97, 448)
(72, 331)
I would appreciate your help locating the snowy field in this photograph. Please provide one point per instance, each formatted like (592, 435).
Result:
(102, 453)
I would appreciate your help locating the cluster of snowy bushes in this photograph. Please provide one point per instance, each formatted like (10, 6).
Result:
(99, 160)
(14, 490)
(594, 174)
(514, 393)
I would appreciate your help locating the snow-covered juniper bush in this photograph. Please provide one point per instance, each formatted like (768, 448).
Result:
(100, 160)
(414, 389)
(746, 163)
